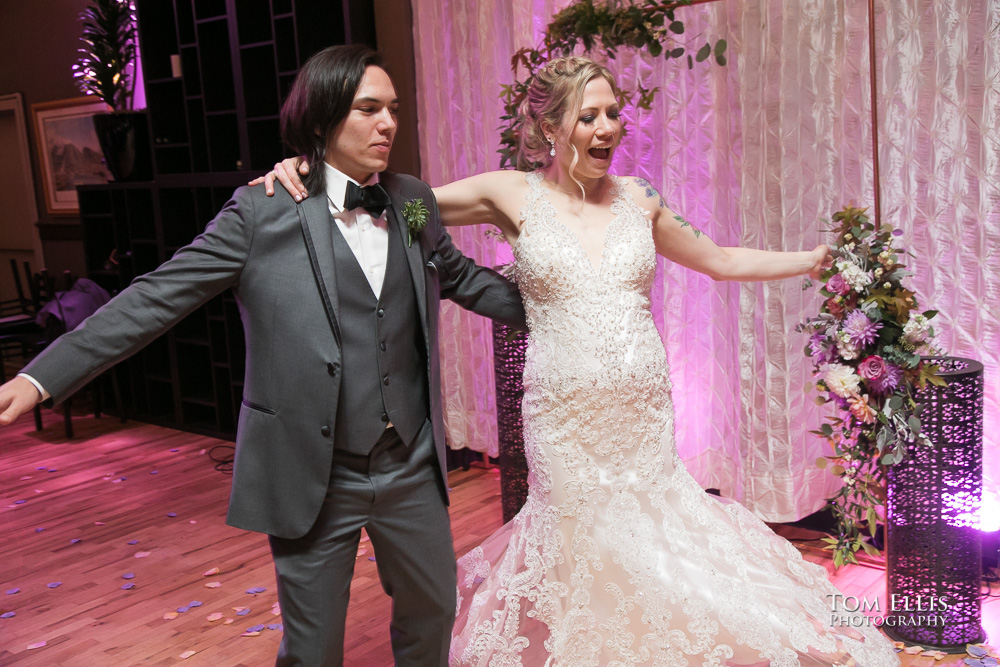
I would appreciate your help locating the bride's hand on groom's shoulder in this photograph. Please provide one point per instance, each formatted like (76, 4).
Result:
(287, 172)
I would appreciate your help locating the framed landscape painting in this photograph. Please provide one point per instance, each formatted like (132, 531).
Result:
(68, 150)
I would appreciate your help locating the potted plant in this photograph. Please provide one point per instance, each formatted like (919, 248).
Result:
(106, 68)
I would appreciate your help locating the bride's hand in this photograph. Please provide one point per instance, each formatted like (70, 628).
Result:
(821, 261)
(287, 173)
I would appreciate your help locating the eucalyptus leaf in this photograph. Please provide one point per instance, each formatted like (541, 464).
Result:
(703, 53)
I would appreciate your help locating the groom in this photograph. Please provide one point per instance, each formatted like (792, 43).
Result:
(341, 425)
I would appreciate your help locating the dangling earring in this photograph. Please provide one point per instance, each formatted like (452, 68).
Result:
(552, 151)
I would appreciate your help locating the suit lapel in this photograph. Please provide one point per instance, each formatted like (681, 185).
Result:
(316, 221)
(414, 256)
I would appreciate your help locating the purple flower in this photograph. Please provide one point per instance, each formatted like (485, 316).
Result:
(861, 330)
(821, 349)
(887, 382)
(837, 285)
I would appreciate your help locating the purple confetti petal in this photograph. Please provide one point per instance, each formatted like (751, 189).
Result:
(54, 584)
(128, 575)
(122, 479)
(194, 603)
(181, 610)
(255, 628)
(371, 558)
(171, 514)
(154, 472)
(39, 529)
(13, 591)
(243, 612)
(133, 541)
(41, 468)
(52, 469)
(8, 614)
(20, 502)
(175, 450)
(274, 626)
(75, 540)
(127, 587)
(255, 590)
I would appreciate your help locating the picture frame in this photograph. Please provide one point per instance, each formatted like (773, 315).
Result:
(69, 153)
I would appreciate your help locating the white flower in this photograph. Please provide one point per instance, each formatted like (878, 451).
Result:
(915, 330)
(840, 379)
(854, 276)
(845, 347)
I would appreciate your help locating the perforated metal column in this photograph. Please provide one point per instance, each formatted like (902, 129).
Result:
(934, 565)
(508, 361)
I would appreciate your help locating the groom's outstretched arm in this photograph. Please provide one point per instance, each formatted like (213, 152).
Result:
(153, 303)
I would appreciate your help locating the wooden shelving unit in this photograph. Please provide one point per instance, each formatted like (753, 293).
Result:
(216, 73)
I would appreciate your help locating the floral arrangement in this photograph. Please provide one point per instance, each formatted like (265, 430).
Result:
(866, 346)
(610, 25)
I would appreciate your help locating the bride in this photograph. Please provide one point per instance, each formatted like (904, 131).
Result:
(618, 557)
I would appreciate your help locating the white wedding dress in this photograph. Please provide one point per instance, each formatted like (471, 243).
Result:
(618, 557)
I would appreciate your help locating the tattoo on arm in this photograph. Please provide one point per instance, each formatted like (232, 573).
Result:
(650, 190)
(685, 223)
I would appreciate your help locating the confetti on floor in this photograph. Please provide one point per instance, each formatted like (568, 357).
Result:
(32, 647)
(255, 590)
(170, 615)
(186, 654)
(213, 584)
(141, 554)
(211, 618)
(209, 573)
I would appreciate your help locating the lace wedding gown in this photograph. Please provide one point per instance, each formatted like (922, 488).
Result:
(618, 557)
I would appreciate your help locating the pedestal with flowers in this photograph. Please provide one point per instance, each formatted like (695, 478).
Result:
(869, 347)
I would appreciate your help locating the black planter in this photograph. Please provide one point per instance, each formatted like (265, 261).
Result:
(124, 138)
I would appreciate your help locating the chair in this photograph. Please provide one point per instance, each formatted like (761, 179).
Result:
(18, 327)
(35, 336)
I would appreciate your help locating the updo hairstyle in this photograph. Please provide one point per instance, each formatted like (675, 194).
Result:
(554, 97)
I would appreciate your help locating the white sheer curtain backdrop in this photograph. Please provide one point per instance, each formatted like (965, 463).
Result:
(754, 153)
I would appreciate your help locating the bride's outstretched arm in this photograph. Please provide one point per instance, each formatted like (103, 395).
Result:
(679, 241)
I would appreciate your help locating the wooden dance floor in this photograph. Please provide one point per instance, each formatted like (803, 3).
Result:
(108, 536)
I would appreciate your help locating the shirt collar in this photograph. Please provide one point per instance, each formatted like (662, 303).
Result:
(336, 185)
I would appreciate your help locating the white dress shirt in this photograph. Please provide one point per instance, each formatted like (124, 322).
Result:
(367, 237)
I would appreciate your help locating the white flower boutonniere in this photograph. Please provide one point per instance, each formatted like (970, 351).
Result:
(415, 214)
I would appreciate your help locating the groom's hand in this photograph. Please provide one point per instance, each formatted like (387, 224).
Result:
(16, 397)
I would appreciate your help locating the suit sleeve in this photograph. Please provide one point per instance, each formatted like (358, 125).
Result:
(152, 304)
(475, 288)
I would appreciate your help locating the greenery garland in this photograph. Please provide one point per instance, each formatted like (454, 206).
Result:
(607, 26)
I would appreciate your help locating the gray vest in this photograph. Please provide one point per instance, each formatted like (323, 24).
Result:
(383, 356)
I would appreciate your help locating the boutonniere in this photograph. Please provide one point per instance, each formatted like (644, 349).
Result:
(415, 214)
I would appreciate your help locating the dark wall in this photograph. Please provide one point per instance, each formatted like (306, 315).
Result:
(38, 43)
(38, 46)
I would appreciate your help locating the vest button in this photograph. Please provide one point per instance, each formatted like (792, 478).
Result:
(325, 431)
(382, 346)
(385, 417)
(381, 312)
(331, 368)
(385, 380)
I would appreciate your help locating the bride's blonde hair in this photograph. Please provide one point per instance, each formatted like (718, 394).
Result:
(554, 97)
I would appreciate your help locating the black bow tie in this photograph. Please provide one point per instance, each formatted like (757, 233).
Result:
(372, 198)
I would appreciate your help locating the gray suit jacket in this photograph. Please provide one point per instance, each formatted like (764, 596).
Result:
(278, 257)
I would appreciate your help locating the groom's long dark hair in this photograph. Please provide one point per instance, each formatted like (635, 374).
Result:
(320, 98)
